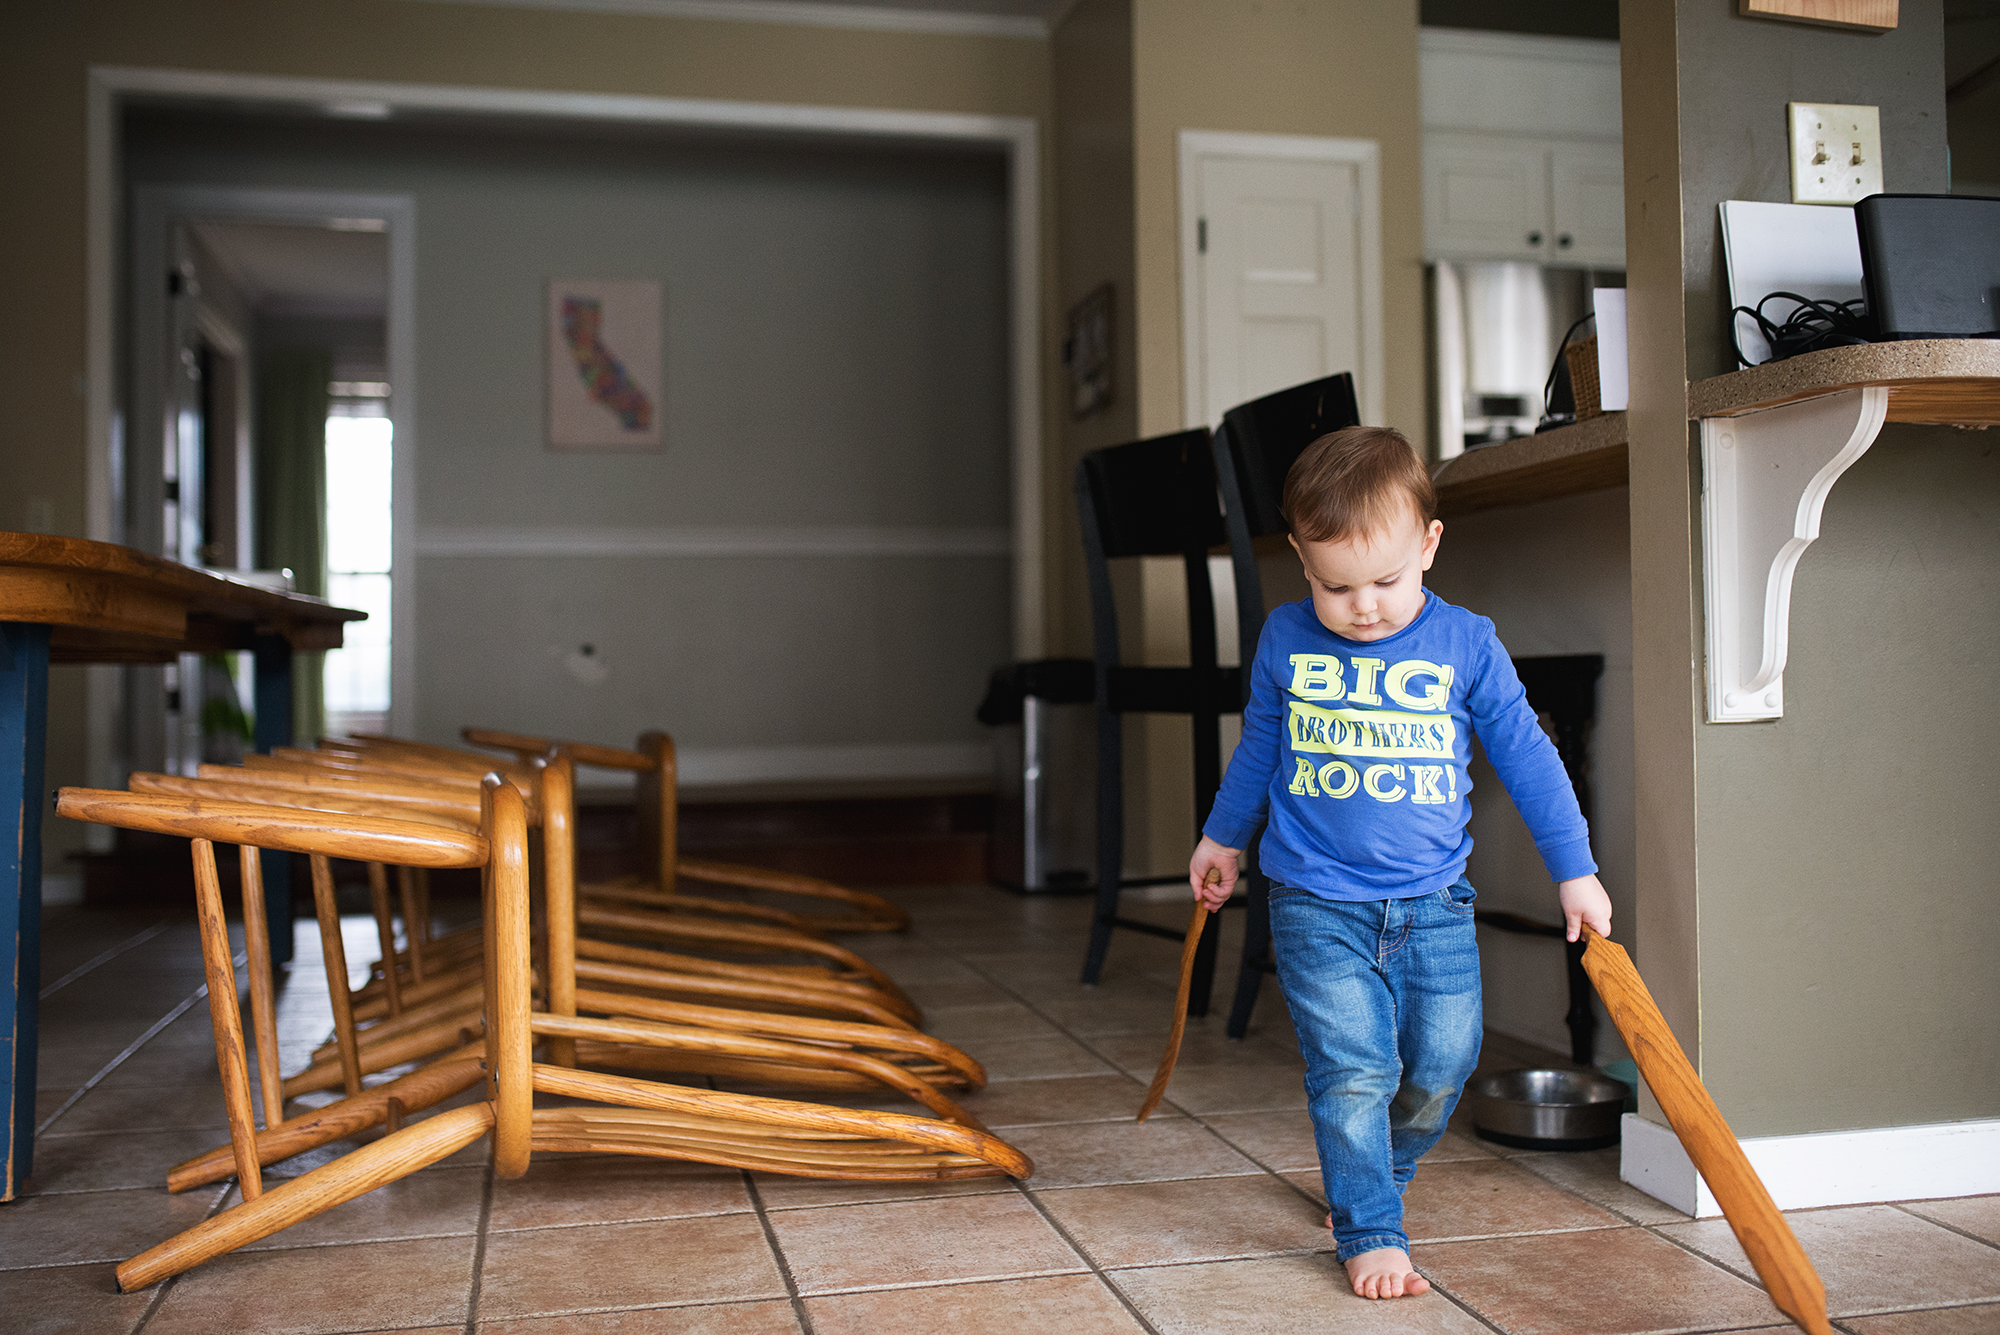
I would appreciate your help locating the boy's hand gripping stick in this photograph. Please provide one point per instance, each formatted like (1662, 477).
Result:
(1158, 1090)
(1781, 1263)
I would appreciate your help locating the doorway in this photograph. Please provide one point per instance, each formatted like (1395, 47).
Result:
(269, 378)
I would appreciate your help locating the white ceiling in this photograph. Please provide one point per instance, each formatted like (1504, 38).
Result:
(287, 269)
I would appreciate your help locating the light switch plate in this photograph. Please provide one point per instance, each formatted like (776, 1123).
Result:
(1836, 153)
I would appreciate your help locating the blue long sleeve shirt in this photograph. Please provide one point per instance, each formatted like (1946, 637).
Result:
(1358, 754)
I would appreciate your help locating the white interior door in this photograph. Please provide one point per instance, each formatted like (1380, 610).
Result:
(1281, 280)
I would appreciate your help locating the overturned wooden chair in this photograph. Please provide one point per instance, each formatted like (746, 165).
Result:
(615, 1114)
(851, 1044)
(670, 921)
(657, 805)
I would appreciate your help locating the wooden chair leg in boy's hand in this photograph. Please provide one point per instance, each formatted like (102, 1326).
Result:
(1780, 1262)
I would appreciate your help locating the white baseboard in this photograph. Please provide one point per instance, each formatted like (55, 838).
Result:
(1896, 1163)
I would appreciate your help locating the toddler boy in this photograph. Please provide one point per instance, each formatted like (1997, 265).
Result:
(1363, 705)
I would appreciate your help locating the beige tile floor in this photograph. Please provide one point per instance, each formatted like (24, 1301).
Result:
(1205, 1219)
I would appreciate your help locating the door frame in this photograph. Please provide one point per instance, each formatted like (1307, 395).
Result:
(109, 88)
(1365, 156)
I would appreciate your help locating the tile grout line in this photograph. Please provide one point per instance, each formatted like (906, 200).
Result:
(105, 958)
(135, 1045)
(1724, 1266)
(1201, 1121)
(799, 1312)
(1949, 1228)
(1083, 1254)
(167, 1285)
(479, 1250)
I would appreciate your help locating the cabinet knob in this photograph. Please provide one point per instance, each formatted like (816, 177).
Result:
(1565, 240)
(1534, 238)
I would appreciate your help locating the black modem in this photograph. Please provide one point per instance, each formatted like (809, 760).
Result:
(1931, 264)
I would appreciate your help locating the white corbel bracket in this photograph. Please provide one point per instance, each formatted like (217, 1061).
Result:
(1765, 477)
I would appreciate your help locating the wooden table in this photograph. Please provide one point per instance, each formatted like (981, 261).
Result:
(65, 600)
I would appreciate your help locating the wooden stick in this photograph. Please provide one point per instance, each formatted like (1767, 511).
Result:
(385, 936)
(1781, 1263)
(1158, 1090)
(351, 1175)
(406, 887)
(337, 1121)
(263, 1005)
(224, 1013)
(334, 950)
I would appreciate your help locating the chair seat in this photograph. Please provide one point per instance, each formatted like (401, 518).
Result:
(1173, 690)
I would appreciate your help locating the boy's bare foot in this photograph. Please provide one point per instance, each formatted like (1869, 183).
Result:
(1385, 1273)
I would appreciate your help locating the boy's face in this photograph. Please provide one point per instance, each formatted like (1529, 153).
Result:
(1370, 587)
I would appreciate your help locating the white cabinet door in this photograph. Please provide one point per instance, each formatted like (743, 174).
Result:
(1587, 202)
(1486, 197)
(1281, 279)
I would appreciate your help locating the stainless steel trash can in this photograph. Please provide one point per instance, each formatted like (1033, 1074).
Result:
(1044, 723)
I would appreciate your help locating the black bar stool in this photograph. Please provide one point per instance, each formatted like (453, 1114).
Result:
(1255, 447)
(1152, 498)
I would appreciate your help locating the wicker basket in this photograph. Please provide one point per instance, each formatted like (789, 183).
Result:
(1582, 358)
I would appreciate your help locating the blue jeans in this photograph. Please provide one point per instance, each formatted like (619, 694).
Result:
(1385, 997)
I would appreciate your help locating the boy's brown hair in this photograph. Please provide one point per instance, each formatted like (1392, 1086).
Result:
(1355, 482)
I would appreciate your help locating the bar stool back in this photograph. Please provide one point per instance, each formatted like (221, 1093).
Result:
(1255, 448)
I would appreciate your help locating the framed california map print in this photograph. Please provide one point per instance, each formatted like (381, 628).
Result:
(605, 364)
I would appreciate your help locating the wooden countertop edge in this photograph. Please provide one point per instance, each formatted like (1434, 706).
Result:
(1525, 453)
(201, 591)
(1568, 461)
(1911, 363)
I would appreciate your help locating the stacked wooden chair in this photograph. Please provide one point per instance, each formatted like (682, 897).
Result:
(657, 806)
(442, 1012)
(609, 1113)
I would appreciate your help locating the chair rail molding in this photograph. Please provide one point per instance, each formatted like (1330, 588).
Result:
(1765, 479)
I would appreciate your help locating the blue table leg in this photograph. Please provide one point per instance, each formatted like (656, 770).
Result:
(273, 727)
(24, 715)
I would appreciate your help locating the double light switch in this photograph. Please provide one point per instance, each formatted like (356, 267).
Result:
(1836, 153)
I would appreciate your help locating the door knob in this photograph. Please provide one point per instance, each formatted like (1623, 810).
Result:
(1534, 238)
(1565, 240)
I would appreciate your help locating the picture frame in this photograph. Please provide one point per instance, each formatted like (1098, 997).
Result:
(1087, 352)
(606, 369)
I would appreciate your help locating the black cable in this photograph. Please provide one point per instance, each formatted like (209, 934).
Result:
(1811, 326)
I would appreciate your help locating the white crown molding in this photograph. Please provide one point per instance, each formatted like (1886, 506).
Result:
(713, 542)
(1895, 1163)
(871, 18)
(629, 108)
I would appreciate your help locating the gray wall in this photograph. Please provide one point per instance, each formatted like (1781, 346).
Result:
(1556, 578)
(836, 350)
(1847, 851)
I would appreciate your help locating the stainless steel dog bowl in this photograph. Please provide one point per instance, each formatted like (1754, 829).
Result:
(1548, 1110)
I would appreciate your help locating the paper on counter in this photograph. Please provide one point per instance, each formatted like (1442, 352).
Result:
(1614, 380)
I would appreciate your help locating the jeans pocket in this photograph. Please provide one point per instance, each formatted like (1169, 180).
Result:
(1279, 892)
(1457, 897)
